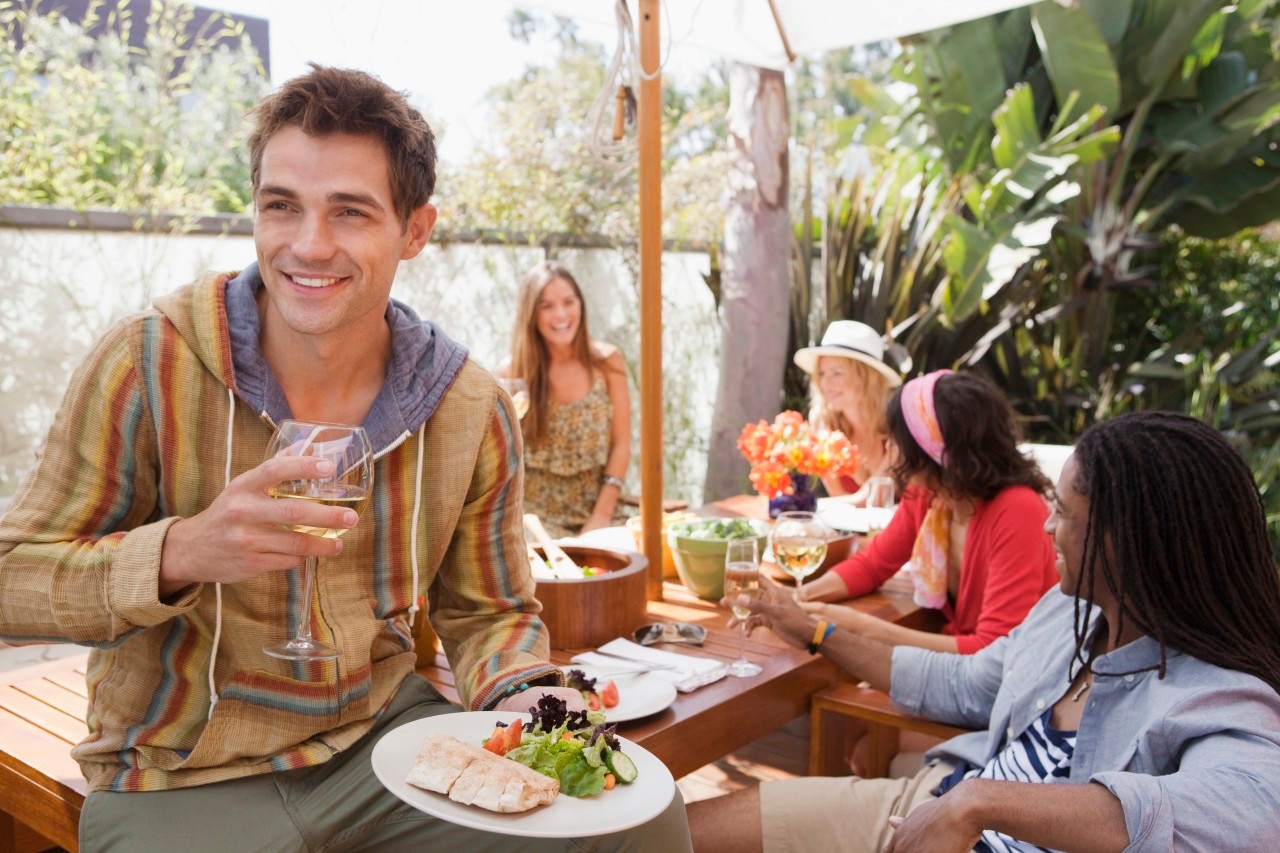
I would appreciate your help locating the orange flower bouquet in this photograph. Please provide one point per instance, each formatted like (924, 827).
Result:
(787, 454)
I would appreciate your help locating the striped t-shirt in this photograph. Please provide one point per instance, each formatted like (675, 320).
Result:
(1040, 754)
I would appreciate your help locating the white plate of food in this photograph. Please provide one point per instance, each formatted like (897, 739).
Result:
(623, 807)
(640, 694)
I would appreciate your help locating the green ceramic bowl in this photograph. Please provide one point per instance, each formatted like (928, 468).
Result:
(700, 562)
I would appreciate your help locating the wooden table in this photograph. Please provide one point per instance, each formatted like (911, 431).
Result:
(713, 721)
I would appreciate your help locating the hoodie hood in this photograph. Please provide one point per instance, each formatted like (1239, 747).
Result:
(424, 361)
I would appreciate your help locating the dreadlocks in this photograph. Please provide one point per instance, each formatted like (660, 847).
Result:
(1189, 562)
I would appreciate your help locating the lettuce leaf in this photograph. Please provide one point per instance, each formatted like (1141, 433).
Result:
(580, 779)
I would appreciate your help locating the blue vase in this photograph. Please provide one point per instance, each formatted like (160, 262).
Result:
(802, 498)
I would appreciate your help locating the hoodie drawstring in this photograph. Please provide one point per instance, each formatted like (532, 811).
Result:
(217, 587)
(413, 531)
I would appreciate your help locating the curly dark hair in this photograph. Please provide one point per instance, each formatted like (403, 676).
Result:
(339, 100)
(981, 437)
(1177, 532)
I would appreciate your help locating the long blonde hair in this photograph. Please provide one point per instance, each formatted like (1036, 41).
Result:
(529, 355)
(870, 390)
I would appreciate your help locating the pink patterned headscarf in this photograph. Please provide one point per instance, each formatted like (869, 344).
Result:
(921, 416)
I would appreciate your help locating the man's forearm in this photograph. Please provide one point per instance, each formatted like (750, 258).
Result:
(1076, 817)
(870, 660)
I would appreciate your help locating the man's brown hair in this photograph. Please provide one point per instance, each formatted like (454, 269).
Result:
(341, 100)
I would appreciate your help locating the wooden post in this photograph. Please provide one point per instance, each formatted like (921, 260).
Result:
(650, 176)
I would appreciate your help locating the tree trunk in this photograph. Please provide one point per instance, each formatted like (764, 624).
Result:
(754, 301)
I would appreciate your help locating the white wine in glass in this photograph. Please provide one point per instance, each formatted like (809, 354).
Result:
(355, 497)
(742, 578)
(799, 542)
(351, 485)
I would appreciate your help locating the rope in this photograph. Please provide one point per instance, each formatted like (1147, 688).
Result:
(619, 155)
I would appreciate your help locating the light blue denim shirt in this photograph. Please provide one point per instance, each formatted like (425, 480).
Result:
(1194, 758)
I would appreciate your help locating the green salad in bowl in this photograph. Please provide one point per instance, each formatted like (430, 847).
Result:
(698, 547)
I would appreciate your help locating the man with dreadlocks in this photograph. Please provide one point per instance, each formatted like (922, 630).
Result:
(1146, 687)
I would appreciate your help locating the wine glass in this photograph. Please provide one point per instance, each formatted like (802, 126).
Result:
(799, 542)
(350, 485)
(880, 504)
(518, 389)
(742, 578)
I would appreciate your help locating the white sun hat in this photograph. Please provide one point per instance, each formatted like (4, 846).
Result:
(848, 339)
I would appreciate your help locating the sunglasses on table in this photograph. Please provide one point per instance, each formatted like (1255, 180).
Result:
(670, 632)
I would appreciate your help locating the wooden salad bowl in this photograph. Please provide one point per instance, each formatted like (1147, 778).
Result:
(589, 611)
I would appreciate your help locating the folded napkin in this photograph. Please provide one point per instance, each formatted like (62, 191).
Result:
(689, 673)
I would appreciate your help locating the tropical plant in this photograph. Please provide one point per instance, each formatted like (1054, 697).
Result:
(1034, 213)
(1185, 97)
(1066, 135)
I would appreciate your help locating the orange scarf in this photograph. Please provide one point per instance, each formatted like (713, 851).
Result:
(928, 564)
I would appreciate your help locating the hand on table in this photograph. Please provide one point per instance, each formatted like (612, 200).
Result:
(526, 699)
(243, 534)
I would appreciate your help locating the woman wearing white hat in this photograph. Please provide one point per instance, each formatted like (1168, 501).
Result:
(850, 383)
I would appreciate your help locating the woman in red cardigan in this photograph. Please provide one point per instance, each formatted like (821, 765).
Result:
(970, 525)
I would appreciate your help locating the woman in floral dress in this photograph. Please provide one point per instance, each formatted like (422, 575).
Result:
(577, 430)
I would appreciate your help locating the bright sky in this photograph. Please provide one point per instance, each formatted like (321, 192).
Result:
(446, 53)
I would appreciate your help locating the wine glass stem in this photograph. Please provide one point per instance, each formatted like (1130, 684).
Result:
(799, 583)
(304, 603)
(742, 639)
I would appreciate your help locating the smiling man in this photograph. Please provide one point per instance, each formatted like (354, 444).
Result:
(146, 531)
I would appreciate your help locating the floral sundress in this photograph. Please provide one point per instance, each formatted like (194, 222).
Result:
(562, 474)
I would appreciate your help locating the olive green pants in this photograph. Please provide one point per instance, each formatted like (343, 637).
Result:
(336, 806)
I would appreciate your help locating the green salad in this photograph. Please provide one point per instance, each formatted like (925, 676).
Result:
(576, 747)
(716, 528)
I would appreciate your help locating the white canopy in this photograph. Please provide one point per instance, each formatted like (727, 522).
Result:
(745, 30)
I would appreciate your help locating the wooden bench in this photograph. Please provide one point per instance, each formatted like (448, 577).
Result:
(831, 706)
(42, 716)
(42, 710)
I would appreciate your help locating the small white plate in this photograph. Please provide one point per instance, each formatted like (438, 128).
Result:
(639, 694)
(844, 516)
(568, 817)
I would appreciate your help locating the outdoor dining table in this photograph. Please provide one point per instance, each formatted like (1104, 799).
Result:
(712, 721)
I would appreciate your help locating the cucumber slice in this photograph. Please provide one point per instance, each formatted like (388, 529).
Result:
(621, 766)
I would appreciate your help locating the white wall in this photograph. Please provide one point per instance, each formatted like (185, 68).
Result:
(63, 288)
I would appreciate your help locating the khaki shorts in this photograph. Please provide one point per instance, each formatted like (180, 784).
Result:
(840, 813)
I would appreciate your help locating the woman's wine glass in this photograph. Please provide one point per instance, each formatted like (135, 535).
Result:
(742, 578)
(799, 542)
(350, 485)
(518, 389)
(879, 506)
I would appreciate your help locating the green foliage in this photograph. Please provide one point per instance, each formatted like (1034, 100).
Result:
(1209, 344)
(536, 174)
(1036, 188)
(89, 122)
